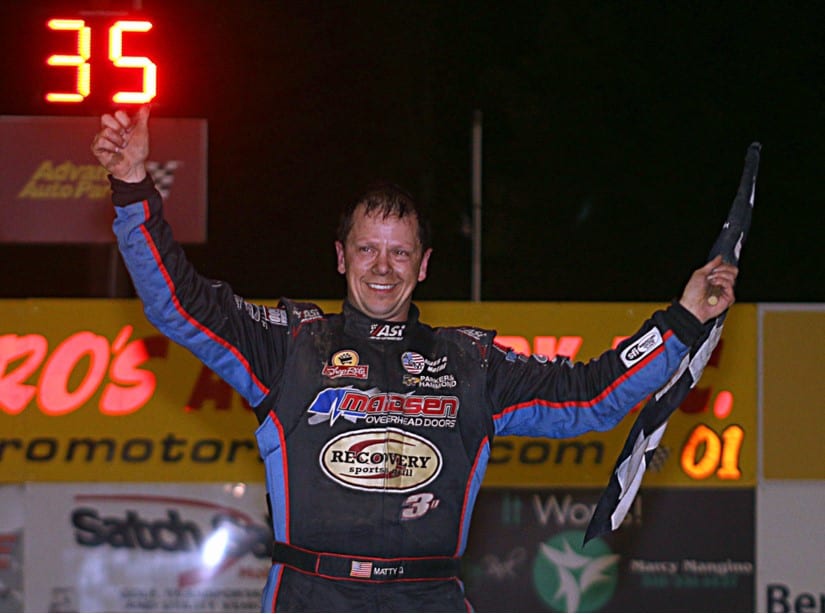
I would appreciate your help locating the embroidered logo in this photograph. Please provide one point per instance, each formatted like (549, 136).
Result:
(387, 332)
(382, 460)
(345, 363)
(641, 347)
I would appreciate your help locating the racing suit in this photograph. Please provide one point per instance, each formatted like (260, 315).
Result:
(375, 435)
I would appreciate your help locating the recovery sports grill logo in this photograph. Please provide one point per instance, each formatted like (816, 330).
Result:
(377, 407)
(381, 460)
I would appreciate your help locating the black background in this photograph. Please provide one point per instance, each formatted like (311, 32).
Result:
(614, 136)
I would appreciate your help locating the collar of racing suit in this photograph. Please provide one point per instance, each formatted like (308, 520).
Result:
(361, 325)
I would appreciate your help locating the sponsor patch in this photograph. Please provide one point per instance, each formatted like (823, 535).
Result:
(377, 407)
(437, 365)
(277, 316)
(427, 381)
(381, 460)
(261, 313)
(387, 332)
(308, 315)
(345, 363)
(473, 333)
(415, 363)
(641, 347)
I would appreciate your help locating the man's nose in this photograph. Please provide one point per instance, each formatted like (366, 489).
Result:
(381, 265)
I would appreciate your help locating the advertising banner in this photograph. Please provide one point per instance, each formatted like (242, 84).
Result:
(790, 546)
(680, 550)
(52, 190)
(792, 356)
(90, 391)
(104, 547)
(11, 548)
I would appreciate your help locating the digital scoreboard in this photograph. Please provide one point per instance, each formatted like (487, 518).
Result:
(113, 71)
(65, 63)
(83, 58)
(97, 60)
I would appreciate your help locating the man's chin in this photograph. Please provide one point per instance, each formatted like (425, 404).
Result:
(389, 312)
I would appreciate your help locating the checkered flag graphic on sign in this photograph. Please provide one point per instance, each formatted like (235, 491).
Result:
(641, 448)
(163, 174)
(659, 458)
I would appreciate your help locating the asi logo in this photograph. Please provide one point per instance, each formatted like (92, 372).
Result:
(387, 332)
(570, 577)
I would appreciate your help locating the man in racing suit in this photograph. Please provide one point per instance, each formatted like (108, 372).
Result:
(375, 428)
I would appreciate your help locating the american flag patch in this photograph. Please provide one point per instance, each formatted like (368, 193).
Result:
(413, 362)
(360, 569)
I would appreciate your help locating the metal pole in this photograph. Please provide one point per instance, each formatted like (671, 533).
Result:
(476, 195)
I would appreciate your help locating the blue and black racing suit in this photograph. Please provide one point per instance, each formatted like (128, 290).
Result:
(375, 435)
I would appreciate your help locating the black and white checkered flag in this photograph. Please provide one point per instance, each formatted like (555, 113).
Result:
(650, 425)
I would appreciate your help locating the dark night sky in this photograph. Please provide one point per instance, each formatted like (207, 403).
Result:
(614, 137)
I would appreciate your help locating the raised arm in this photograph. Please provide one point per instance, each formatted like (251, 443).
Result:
(235, 339)
(122, 144)
(715, 280)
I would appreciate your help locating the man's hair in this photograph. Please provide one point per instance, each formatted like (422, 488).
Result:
(386, 199)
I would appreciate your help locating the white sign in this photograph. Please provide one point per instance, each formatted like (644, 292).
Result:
(11, 548)
(790, 573)
(145, 547)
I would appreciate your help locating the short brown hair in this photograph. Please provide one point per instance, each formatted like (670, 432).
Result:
(386, 198)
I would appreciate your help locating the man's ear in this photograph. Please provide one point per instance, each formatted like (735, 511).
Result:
(422, 268)
(342, 263)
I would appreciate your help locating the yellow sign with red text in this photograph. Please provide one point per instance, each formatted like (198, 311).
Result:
(90, 391)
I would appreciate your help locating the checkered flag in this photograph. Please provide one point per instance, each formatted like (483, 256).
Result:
(163, 174)
(660, 456)
(644, 437)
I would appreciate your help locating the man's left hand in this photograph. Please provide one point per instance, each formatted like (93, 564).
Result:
(714, 280)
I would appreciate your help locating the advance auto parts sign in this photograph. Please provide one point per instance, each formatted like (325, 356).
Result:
(382, 460)
(54, 191)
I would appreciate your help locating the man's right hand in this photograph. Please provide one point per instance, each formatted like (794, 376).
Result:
(122, 145)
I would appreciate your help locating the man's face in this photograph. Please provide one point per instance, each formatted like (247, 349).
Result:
(383, 262)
